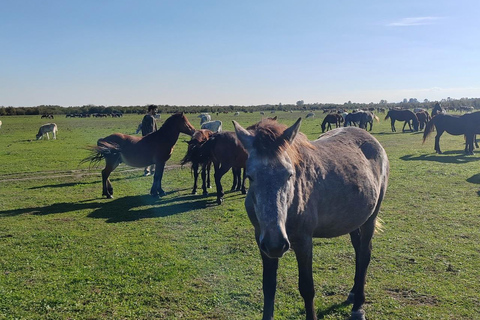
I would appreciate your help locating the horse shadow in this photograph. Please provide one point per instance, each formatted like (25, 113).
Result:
(125, 209)
(446, 157)
(334, 309)
(73, 184)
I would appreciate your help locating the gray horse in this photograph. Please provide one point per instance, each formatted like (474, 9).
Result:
(299, 189)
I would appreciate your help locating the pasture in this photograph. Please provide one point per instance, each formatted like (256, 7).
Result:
(68, 253)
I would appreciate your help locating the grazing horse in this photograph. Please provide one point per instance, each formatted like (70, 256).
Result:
(423, 118)
(196, 157)
(301, 189)
(437, 109)
(154, 148)
(204, 117)
(367, 117)
(226, 151)
(335, 118)
(402, 115)
(467, 124)
(45, 129)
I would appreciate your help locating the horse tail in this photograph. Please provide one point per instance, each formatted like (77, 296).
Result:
(376, 118)
(388, 115)
(100, 151)
(428, 129)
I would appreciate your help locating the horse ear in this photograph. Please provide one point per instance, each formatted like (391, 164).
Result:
(243, 135)
(290, 133)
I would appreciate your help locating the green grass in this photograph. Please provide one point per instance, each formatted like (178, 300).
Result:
(66, 253)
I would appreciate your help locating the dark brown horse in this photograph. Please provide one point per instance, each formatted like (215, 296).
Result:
(225, 151)
(467, 124)
(403, 115)
(423, 118)
(437, 109)
(301, 189)
(154, 148)
(196, 157)
(334, 118)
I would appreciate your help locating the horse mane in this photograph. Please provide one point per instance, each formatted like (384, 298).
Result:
(268, 141)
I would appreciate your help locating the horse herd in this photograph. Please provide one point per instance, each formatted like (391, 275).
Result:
(298, 189)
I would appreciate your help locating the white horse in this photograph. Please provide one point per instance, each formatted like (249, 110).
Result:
(214, 126)
(310, 115)
(204, 117)
(0, 123)
(45, 129)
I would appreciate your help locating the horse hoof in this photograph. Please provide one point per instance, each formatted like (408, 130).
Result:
(220, 200)
(194, 192)
(244, 191)
(357, 315)
(109, 196)
(205, 193)
(162, 193)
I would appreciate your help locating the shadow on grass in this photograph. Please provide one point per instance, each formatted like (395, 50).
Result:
(446, 157)
(72, 184)
(130, 208)
(334, 309)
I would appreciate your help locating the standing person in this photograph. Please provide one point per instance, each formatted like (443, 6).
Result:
(149, 125)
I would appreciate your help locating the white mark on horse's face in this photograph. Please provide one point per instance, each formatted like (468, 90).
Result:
(272, 190)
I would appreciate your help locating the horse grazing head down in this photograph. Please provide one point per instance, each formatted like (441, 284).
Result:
(271, 161)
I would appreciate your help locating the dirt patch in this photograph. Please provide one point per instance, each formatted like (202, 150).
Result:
(411, 297)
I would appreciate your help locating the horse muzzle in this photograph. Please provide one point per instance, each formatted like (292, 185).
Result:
(274, 248)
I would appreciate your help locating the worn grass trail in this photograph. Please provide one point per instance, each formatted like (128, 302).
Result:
(69, 254)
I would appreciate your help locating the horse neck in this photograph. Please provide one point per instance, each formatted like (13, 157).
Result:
(168, 132)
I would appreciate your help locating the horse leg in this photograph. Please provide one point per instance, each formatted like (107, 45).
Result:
(209, 166)
(469, 143)
(362, 243)
(48, 137)
(392, 125)
(195, 177)
(219, 172)
(437, 141)
(156, 189)
(110, 164)
(244, 177)
(270, 267)
(303, 252)
(204, 176)
(236, 180)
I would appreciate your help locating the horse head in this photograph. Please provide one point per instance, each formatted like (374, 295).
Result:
(271, 172)
(183, 125)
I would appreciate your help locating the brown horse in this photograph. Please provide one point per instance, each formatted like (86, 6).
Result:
(423, 118)
(197, 157)
(467, 124)
(437, 109)
(403, 115)
(154, 148)
(226, 151)
(301, 189)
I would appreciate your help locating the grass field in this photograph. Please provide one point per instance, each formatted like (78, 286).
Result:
(66, 253)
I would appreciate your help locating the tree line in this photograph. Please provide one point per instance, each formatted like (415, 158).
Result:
(411, 103)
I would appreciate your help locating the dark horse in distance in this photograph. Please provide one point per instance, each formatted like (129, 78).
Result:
(154, 148)
(467, 124)
(334, 118)
(403, 115)
(301, 189)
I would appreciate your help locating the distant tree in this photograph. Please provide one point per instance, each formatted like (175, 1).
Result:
(300, 103)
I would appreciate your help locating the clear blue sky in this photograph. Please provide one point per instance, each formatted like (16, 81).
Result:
(205, 52)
